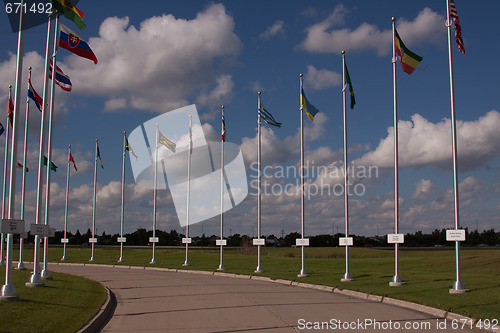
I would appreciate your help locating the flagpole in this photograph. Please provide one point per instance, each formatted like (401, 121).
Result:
(259, 213)
(20, 265)
(221, 265)
(45, 272)
(303, 272)
(92, 258)
(186, 263)
(153, 260)
(8, 289)
(66, 205)
(347, 276)
(5, 173)
(396, 279)
(36, 279)
(458, 286)
(122, 215)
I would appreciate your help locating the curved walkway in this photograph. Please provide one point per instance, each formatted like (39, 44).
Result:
(158, 300)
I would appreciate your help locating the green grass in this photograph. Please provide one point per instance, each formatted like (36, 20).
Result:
(428, 273)
(64, 305)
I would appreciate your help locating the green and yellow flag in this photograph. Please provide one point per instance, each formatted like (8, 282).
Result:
(66, 8)
(409, 60)
(166, 142)
(351, 91)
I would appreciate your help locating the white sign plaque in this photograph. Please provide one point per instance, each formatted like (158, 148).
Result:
(221, 242)
(259, 241)
(12, 226)
(41, 230)
(64, 240)
(93, 240)
(395, 238)
(154, 239)
(346, 241)
(121, 239)
(302, 242)
(186, 240)
(455, 235)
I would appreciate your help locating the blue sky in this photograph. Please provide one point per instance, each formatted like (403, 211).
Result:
(155, 57)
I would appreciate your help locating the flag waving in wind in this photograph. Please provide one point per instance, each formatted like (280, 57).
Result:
(1, 129)
(70, 41)
(66, 8)
(223, 132)
(10, 111)
(71, 159)
(129, 149)
(458, 28)
(166, 142)
(308, 107)
(349, 83)
(34, 96)
(53, 167)
(62, 80)
(99, 156)
(409, 60)
(268, 118)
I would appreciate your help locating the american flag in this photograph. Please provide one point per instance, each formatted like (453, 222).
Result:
(223, 134)
(458, 29)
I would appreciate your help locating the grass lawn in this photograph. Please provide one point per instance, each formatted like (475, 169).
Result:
(428, 273)
(64, 305)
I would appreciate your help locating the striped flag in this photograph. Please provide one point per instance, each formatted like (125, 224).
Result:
(409, 60)
(20, 166)
(223, 133)
(34, 96)
(71, 159)
(166, 142)
(62, 80)
(66, 8)
(458, 28)
(268, 118)
(10, 111)
(129, 149)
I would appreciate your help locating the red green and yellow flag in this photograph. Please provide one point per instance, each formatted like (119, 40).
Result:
(409, 60)
(166, 142)
(66, 8)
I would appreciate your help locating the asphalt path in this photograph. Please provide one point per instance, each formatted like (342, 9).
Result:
(168, 301)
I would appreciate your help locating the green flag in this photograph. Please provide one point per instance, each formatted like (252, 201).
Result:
(53, 167)
(351, 91)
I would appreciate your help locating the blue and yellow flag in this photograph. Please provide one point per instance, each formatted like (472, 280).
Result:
(99, 156)
(308, 107)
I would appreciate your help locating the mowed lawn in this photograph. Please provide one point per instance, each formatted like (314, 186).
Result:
(429, 273)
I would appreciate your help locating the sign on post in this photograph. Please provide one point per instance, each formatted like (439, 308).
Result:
(93, 240)
(41, 230)
(186, 240)
(395, 238)
(12, 226)
(221, 242)
(302, 242)
(455, 235)
(346, 241)
(64, 240)
(259, 241)
(154, 239)
(121, 239)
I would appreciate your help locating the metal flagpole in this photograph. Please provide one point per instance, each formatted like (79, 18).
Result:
(92, 258)
(122, 215)
(153, 260)
(458, 286)
(347, 276)
(20, 265)
(303, 272)
(8, 289)
(259, 267)
(186, 263)
(4, 189)
(396, 279)
(65, 240)
(45, 272)
(221, 265)
(36, 279)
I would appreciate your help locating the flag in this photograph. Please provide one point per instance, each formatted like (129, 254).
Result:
(66, 8)
(71, 159)
(166, 142)
(34, 96)
(10, 112)
(20, 166)
(458, 28)
(53, 167)
(223, 132)
(70, 41)
(268, 118)
(409, 60)
(1, 129)
(308, 107)
(99, 156)
(190, 141)
(129, 149)
(62, 80)
(351, 91)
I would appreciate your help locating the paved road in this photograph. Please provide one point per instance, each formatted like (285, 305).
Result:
(161, 301)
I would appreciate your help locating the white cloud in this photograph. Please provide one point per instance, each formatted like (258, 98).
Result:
(161, 65)
(426, 28)
(277, 28)
(319, 79)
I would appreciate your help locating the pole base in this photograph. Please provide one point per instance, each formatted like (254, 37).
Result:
(35, 281)
(186, 263)
(458, 288)
(347, 278)
(2, 262)
(92, 259)
(259, 270)
(396, 281)
(9, 293)
(121, 259)
(302, 273)
(221, 267)
(46, 275)
(64, 258)
(153, 261)
(20, 266)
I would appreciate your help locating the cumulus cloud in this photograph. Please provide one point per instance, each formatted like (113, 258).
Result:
(320, 79)
(277, 28)
(422, 142)
(163, 64)
(321, 37)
